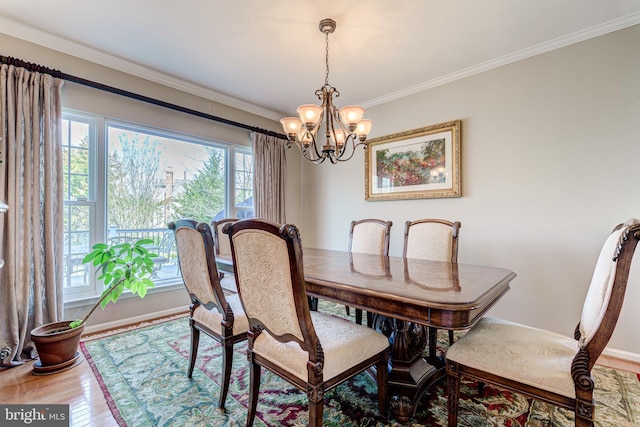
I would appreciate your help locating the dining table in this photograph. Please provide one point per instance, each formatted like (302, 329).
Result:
(405, 296)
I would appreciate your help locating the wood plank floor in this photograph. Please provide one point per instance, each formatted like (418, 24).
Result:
(79, 388)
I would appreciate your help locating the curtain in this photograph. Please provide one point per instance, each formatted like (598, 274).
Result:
(31, 231)
(269, 167)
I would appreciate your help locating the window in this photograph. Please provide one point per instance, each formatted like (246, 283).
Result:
(244, 185)
(144, 179)
(78, 148)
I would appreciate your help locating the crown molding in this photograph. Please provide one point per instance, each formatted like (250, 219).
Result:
(14, 29)
(578, 36)
(32, 35)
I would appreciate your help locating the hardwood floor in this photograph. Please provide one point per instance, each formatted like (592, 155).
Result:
(76, 387)
(79, 388)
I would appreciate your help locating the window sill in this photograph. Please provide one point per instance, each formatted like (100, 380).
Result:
(89, 301)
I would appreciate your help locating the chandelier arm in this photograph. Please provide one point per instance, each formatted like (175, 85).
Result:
(306, 152)
(314, 160)
(314, 144)
(353, 151)
(314, 141)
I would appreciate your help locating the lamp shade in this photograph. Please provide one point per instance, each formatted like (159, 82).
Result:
(306, 137)
(291, 125)
(363, 128)
(339, 136)
(309, 114)
(351, 114)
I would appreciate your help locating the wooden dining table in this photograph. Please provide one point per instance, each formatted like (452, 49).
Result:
(405, 295)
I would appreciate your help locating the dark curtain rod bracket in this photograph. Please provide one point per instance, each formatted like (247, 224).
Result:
(59, 74)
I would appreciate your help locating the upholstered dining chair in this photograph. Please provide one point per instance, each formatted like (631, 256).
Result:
(221, 243)
(546, 365)
(434, 240)
(311, 350)
(221, 240)
(369, 236)
(218, 315)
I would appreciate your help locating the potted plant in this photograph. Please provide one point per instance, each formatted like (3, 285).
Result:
(120, 266)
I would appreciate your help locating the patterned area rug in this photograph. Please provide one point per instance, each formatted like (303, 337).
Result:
(143, 375)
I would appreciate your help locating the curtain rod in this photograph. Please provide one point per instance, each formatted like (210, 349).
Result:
(59, 74)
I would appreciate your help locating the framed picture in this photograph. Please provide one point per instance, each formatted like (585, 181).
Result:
(416, 164)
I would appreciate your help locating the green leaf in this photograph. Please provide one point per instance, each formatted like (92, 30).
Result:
(141, 250)
(142, 291)
(75, 323)
(91, 255)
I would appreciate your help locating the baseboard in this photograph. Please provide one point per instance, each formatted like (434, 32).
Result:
(133, 322)
(620, 359)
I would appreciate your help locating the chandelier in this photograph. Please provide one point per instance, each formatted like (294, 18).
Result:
(344, 129)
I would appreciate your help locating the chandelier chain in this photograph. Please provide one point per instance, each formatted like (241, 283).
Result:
(326, 58)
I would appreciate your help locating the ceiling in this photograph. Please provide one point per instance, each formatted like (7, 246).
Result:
(267, 56)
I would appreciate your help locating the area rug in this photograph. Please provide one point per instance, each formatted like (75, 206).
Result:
(143, 376)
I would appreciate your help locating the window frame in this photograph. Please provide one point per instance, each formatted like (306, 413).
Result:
(98, 187)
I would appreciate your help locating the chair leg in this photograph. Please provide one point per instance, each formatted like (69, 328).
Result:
(453, 393)
(382, 378)
(584, 411)
(450, 337)
(358, 316)
(369, 319)
(316, 405)
(254, 388)
(347, 310)
(195, 340)
(433, 341)
(227, 362)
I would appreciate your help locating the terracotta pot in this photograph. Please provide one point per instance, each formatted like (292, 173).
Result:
(56, 342)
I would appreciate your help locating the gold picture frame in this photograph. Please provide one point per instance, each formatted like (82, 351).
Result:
(422, 163)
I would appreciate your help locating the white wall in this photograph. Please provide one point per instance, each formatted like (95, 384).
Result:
(550, 149)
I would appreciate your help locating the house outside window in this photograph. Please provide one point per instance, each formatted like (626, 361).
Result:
(132, 182)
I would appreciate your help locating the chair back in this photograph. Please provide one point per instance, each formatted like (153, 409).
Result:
(370, 236)
(194, 243)
(220, 240)
(267, 261)
(606, 292)
(431, 239)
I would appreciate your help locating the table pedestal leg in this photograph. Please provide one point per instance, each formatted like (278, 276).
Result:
(410, 375)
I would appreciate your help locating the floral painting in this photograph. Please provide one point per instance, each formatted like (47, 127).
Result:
(421, 163)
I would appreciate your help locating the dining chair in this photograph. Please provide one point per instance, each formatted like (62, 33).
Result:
(369, 236)
(221, 243)
(220, 240)
(542, 364)
(311, 350)
(218, 315)
(434, 240)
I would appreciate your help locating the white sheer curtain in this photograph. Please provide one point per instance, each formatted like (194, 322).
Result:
(31, 183)
(269, 178)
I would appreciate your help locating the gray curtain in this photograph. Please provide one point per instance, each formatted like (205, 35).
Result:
(31, 231)
(269, 178)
